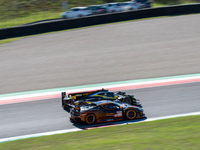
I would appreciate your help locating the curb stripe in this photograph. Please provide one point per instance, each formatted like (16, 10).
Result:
(113, 86)
(179, 77)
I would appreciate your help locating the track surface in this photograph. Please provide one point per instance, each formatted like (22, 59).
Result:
(115, 52)
(47, 115)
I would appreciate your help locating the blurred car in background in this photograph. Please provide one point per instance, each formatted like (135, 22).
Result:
(130, 5)
(71, 99)
(76, 12)
(112, 7)
(97, 9)
(145, 3)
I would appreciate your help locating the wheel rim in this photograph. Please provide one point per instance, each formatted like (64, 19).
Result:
(127, 100)
(131, 114)
(90, 119)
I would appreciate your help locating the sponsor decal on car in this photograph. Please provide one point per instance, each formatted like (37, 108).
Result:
(118, 114)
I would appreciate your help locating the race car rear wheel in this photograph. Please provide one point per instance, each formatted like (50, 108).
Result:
(127, 100)
(90, 119)
(131, 114)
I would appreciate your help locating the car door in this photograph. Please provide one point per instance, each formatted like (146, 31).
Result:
(70, 13)
(76, 13)
(112, 112)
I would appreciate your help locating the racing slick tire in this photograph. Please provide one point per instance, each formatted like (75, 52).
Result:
(127, 100)
(131, 114)
(90, 119)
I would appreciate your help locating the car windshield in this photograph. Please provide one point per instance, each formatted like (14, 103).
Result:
(76, 9)
(73, 9)
(92, 7)
(106, 5)
(98, 93)
(124, 105)
(139, 0)
(110, 5)
(123, 4)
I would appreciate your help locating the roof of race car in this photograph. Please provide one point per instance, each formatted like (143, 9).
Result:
(98, 92)
(92, 92)
(124, 105)
(105, 101)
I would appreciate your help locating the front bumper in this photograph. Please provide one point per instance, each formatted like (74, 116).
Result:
(141, 115)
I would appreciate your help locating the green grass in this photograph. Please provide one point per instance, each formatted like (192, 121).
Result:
(159, 3)
(38, 16)
(178, 133)
(8, 40)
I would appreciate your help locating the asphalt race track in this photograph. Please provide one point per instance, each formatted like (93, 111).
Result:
(48, 115)
(116, 52)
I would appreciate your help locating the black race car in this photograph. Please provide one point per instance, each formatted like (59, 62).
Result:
(104, 111)
(68, 101)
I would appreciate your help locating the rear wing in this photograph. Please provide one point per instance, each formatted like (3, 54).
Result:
(63, 95)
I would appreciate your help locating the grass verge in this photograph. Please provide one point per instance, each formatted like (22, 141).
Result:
(160, 3)
(177, 133)
(34, 17)
(8, 40)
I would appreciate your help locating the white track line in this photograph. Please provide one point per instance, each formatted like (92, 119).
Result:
(77, 129)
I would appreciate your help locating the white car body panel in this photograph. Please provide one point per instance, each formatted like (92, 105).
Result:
(130, 6)
(113, 7)
(76, 12)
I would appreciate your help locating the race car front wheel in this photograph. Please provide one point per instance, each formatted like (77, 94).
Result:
(131, 114)
(90, 119)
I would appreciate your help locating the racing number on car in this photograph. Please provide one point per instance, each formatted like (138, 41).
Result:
(118, 114)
